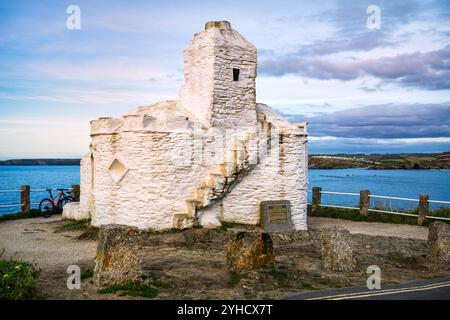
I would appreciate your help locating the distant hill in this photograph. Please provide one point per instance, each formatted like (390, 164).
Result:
(317, 161)
(381, 161)
(41, 162)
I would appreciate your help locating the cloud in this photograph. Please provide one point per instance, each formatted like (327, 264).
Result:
(389, 121)
(430, 70)
(362, 41)
(364, 145)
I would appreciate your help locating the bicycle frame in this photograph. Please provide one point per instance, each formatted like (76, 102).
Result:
(59, 196)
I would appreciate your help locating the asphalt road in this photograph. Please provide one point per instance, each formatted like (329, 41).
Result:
(435, 289)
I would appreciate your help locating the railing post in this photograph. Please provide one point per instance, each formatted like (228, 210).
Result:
(364, 202)
(25, 198)
(76, 192)
(424, 208)
(316, 197)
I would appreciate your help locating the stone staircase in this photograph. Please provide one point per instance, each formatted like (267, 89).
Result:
(240, 159)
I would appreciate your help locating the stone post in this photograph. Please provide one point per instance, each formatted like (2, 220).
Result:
(25, 198)
(249, 250)
(424, 208)
(364, 202)
(76, 192)
(316, 198)
(118, 256)
(337, 250)
(439, 244)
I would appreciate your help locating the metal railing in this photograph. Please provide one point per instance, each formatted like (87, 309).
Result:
(25, 191)
(364, 204)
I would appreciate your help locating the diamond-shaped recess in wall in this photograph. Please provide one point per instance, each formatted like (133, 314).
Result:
(117, 170)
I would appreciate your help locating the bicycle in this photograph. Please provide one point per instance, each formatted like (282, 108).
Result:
(54, 204)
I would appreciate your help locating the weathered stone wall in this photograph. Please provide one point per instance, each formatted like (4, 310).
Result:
(86, 206)
(249, 250)
(117, 260)
(158, 166)
(439, 243)
(209, 91)
(152, 168)
(338, 250)
(281, 174)
(155, 183)
(234, 101)
(196, 93)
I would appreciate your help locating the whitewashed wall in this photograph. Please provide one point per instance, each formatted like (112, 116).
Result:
(143, 166)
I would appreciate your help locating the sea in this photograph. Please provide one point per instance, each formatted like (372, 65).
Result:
(392, 183)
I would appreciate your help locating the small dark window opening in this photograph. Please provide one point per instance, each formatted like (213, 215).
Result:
(235, 74)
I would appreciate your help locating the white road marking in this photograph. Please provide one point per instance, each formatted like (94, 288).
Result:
(382, 292)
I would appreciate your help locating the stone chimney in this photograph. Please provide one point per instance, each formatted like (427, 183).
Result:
(220, 74)
(224, 25)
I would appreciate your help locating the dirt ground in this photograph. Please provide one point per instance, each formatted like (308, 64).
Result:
(192, 263)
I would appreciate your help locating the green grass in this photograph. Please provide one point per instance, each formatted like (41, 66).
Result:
(279, 275)
(353, 215)
(159, 284)
(132, 289)
(18, 280)
(441, 212)
(33, 213)
(308, 286)
(74, 226)
(87, 274)
(233, 278)
(230, 225)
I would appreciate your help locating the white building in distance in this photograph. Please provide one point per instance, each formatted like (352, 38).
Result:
(213, 155)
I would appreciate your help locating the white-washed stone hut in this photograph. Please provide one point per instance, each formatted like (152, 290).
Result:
(213, 155)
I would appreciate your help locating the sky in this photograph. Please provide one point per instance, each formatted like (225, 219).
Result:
(362, 90)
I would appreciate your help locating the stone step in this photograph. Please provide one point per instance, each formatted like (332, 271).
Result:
(217, 183)
(225, 169)
(191, 206)
(182, 221)
(203, 194)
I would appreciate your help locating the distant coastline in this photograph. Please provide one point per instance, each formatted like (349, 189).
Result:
(40, 162)
(400, 161)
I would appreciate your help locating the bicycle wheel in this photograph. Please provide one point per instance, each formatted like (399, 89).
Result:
(46, 208)
(64, 201)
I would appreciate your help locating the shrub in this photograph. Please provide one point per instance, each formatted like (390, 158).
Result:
(18, 280)
(87, 274)
(75, 225)
(33, 213)
(349, 214)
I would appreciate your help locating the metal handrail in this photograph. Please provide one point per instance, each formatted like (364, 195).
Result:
(438, 218)
(4, 206)
(395, 212)
(32, 190)
(343, 193)
(393, 198)
(336, 206)
(10, 205)
(52, 189)
(439, 201)
(380, 197)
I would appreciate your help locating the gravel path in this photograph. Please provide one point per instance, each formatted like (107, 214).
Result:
(182, 259)
(36, 240)
(372, 228)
